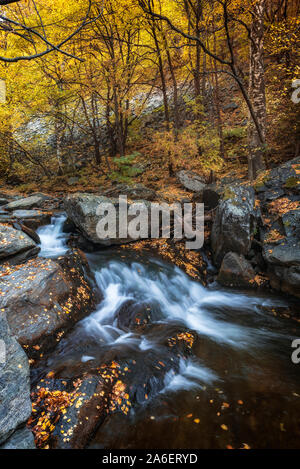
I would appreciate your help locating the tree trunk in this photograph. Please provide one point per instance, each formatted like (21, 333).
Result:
(257, 93)
(58, 137)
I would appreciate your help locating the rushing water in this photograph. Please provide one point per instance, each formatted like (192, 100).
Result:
(53, 239)
(237, 388)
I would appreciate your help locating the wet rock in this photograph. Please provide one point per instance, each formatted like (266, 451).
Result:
(44, 298)
(191, 181)
(132, 315)
(31, 233)
(235, 223)
(82, 209)
(32, 218)
(75, 428)
(69, 226)
(15, 404)
(21, 439)
(235, 271)
(23, 257)
(27, 203)
(14, 242)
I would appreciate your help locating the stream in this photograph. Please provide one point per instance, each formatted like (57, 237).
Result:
(209, 367)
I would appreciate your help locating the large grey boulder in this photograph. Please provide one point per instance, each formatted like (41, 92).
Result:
(43, 298)
(191, 181)
(285, 179)
(235, 223)
(15, 243)
(27, 203)
(82, 210)
(15, 404)
(282, 255)
(21, 439)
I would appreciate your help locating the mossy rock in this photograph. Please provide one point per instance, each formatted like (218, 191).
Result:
(292, 183)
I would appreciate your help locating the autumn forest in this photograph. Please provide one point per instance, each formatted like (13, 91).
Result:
(173, 324)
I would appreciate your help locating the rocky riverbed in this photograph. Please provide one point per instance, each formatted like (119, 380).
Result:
(90, 336)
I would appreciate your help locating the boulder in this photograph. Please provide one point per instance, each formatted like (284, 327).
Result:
(283, 254)
(236, 271)
(235, 223)
(31, 233)
(27, 203)
(132, 315)
(135, 192)
(210, 196)
(87, 411)
(15, 243)
(15, 404)
(44, 298)
(284, 179)
(32, 218)
(82, 209)
(191, 181)
(21, 439)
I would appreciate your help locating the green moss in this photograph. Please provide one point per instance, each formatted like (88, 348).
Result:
(228, 194)
(235, 133)
(292, 182)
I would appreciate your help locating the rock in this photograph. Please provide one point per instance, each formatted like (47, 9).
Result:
(3, 201)
(21, 439)
(235, 223)
(235, 271)
(74, 430)
(136, 192)
(44, 298)
(191, 181)
(210, 196)
(32, 234)
(282, 253)
(27, 203)
(82, 209)
(15, 404)
(291, 223)
(284, 179)
(72, 181)
(132, 315)
(69, 226)
(14, 242)
(22, 257)
(32, 218)
(231, 106)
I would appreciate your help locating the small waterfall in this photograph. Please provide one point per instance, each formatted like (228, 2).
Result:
(53, 240)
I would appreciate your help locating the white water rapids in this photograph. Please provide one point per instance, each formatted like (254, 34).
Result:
(215, 315)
